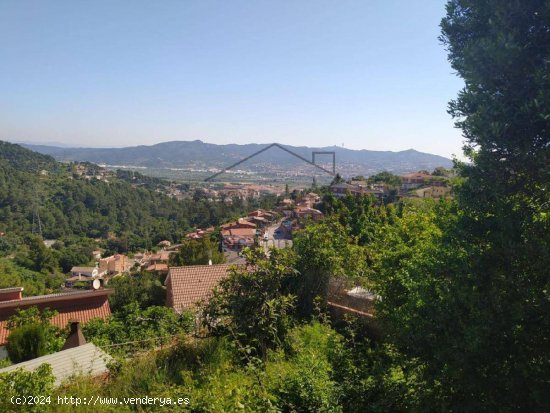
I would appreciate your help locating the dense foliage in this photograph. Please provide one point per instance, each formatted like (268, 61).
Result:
(31, 183)
(18, 383)
(54, 337)
(26, 343)
(131, 328)
(461, 286)
(144, 288)
(254, 304)
(197, 252)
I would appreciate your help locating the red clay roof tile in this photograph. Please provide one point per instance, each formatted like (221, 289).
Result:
(187, 286)
(76, 305)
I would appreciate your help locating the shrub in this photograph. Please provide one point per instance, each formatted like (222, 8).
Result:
(26, 342)
(18, 383)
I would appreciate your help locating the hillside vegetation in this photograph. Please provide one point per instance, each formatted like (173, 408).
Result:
(68, 205)
(459, 287)
(39, 195)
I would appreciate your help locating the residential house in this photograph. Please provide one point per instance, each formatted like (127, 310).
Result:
(260, 213)
(164, 244)
(308, 201)
(303, 213)
(49, 242)
(286, 203)
(240, 223)
(76, 357)
(115, 264)
(435, 192)
(156, 262)
(161, 257)
(82, 306)
(259, 221)
(313, 197)
(191, 286)
(237, 238)
(91, 272)
(158, 268)
(417, 179)
(342, 189)
(200, 233)
(96, 254)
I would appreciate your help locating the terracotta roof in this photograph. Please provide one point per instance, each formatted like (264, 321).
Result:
(187, 286)
(76, 305)
(239, 232)
(82, 269)
(157, 267)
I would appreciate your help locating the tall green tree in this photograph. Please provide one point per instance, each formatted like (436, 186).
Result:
(466, 294)
(254, 304)
(323, 251)
(502, 51)
(197, 252)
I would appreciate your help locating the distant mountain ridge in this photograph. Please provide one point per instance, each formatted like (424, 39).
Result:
(187, 154)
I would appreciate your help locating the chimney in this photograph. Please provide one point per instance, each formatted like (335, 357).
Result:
(76, 338)
(209, 262)
(10, 294)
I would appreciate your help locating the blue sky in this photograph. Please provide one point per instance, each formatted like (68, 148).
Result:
(367, 74)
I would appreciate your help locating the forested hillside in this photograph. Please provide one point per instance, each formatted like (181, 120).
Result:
(42, 197)
(35, 184)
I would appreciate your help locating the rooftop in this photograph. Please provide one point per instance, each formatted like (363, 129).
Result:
(82, 305)
(190, 285)
(86, 359)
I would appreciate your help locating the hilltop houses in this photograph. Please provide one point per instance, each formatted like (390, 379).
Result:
(90, 272)
(200, 233)
(418, 179)
(115, 264)
(342, 189)
(307, 213)
(434, 192)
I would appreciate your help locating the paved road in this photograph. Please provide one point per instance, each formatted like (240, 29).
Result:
(275, 240)
(232, 257)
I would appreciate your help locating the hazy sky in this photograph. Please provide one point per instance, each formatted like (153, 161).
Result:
(368, 74)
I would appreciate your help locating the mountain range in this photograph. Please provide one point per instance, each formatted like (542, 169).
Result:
(199, 154)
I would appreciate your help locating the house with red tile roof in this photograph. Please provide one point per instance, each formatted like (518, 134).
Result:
(188, 287)
(241, 223)
(82, 306)
(267, 215)
(158, 268)
(237, 238)
(200, 233)
(308, 213)
(417, 179)
(115, 264)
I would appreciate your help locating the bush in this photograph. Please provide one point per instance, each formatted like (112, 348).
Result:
(26, 342)
(21, 383)
(302, 381)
